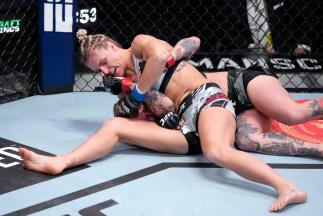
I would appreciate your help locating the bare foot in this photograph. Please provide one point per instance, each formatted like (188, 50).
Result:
(40, 163)
(290, 196)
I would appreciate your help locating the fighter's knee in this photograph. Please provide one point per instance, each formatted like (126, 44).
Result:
(219, 156)
(292, 117)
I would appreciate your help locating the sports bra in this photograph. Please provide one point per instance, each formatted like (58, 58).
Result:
(161, 83)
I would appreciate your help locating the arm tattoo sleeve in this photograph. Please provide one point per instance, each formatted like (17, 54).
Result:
(317, 110)
(186, 47)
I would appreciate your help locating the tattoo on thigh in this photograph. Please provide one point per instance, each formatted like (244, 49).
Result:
(273, 143)
(244, 131)
(274, 135)
(316, 109)
(281, 148)
(308, 152)
(282, 137)
(289, 147)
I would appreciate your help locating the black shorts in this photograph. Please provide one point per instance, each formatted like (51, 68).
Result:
(238, 80)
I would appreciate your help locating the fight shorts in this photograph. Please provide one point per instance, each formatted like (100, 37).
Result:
(207, 95)
(238, 80)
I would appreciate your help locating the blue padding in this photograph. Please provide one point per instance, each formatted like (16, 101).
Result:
(56, 27)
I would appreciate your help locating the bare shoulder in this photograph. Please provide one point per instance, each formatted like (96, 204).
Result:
(142, 39)
(145, 45)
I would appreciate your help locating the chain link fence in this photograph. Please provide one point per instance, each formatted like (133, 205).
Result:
(19, 49)
(283, 35)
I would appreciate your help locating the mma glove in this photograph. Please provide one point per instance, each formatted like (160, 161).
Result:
(168, 120)
(130, 104)
(117, 85)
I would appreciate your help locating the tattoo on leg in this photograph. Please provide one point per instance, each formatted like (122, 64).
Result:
(289, 146)
(309, 152)
(273, 143)
(282, 137)
(244, 131)
(316, 109)
(280, 148)
(274, 135)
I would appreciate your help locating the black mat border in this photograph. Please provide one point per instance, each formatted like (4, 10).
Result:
(133, 176)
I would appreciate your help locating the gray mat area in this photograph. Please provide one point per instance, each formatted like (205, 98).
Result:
(133, 181)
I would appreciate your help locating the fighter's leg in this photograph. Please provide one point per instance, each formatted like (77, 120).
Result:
(140, 133)
(253, 134)
(268, 96)
(216, 131)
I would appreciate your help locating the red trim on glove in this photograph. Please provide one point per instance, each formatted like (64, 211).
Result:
(126, 85)
(170, 61)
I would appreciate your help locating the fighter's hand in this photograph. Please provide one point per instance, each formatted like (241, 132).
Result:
(169, 120)
(129, 107)
(117, 85)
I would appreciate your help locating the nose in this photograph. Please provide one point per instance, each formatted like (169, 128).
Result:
(103, 70)
(106, 70)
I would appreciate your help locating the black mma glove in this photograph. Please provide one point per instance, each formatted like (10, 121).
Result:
(130, 104)
(168, 120)
(117, 85)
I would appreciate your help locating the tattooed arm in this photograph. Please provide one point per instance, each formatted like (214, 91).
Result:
(185, 48)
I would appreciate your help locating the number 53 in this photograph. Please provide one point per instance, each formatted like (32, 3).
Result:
(86, 15)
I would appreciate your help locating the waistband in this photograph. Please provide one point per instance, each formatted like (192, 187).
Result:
(188, 100)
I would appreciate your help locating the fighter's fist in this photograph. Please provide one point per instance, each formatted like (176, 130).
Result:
(117, 85)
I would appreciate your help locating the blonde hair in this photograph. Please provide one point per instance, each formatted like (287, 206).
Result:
(89, 43)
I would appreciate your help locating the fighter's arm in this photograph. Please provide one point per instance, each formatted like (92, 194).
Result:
(143, 47)
(159, 54)
(185, 48)
(155, 53)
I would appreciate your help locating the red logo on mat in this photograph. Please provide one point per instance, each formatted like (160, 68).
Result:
(311, 131)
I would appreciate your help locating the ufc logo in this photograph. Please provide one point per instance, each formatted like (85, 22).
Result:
(5, 151)
(58, 16)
